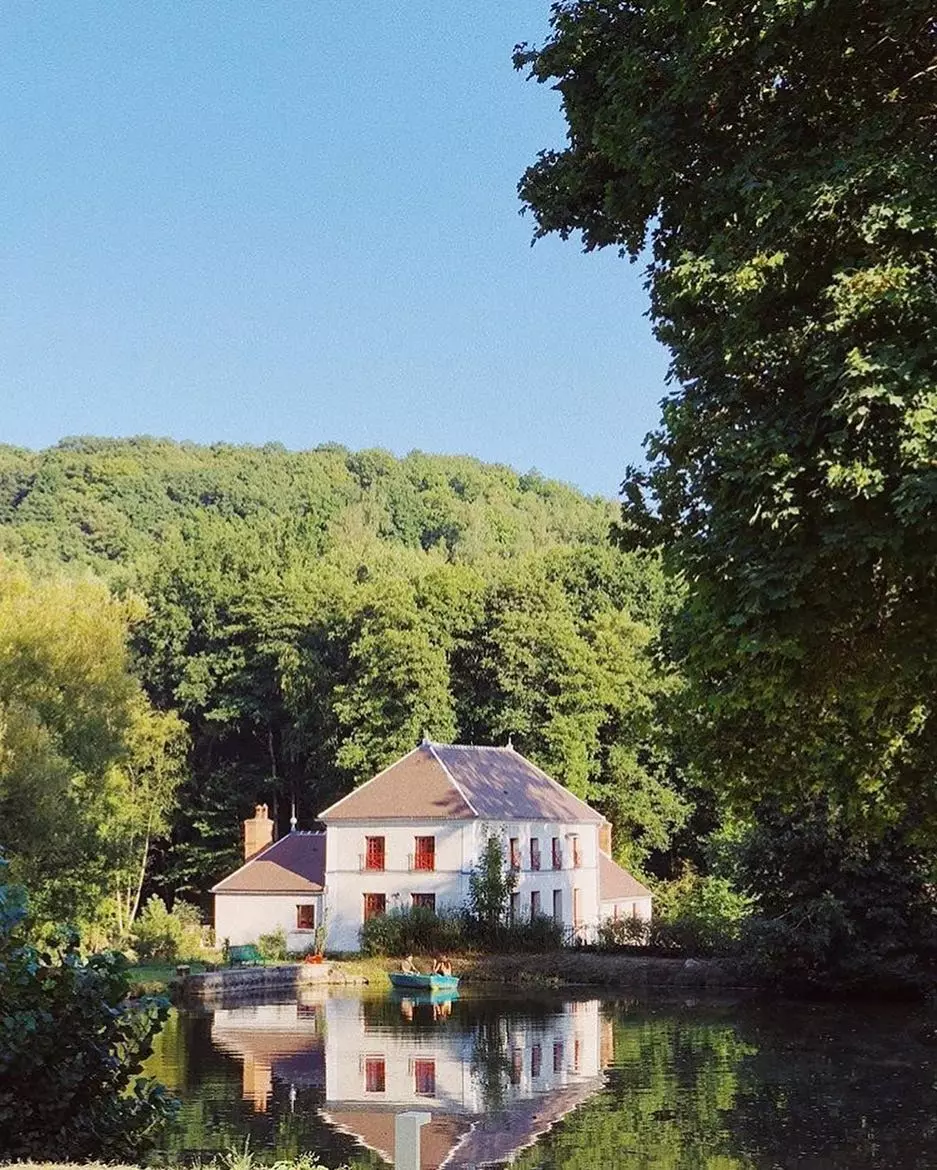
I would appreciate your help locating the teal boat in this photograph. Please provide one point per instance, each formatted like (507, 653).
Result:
(406, 981)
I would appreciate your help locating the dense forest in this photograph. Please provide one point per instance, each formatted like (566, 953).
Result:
(186, 630)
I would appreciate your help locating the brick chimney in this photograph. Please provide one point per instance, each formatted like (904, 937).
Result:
(258, 832)
(605, 838)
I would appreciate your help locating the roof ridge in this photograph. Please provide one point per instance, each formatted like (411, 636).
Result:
(452, 780)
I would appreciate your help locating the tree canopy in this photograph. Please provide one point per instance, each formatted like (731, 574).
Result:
(304, 618)
(774, 163)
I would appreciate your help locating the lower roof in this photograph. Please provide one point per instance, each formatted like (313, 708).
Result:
(293, 865)
(617, 884)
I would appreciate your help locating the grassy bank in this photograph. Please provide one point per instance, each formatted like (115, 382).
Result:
(561, 968)
(154, 978)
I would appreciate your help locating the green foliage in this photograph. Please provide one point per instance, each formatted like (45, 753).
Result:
(416, 930)
(272, 946)
(170, 936)
(88, 768)
(310, 615)
(834, 907)
(778, 161)
(491, 884)
(71, 1048)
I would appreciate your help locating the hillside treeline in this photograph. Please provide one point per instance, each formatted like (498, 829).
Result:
(207, 627)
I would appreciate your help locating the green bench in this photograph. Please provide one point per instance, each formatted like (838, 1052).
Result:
(244, 955)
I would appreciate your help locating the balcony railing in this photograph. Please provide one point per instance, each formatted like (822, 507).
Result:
(370, 864)
(421, 862)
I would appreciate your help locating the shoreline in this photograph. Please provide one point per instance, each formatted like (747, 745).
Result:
(550, 970)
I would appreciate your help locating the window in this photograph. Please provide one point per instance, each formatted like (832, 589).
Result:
(558, 1056)
(374, 1074)
(534, 903)
(515, 853)
(423, 902)
(515, 907)
(557, 905)
(557, 854)
(374, 853)
(577, 907)
(577, 1055)
(517, 1065)
(374, 906)
(424, 1078)
(536, 1060)
(534, 852)
(424, 853)
(577, 852)
(306, 917)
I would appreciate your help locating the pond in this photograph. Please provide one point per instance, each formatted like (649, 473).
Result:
(556, 1082)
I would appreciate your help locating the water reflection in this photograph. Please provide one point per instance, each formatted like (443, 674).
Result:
(556, 1084)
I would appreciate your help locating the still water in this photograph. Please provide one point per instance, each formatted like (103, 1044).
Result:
(557, 1083)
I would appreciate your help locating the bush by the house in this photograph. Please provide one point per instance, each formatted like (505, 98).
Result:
(417, 931)
(539, 933)
(170, 936)
(272, 946)
(420, 931)
(693, 915)
(71, 1049)
(698, 915)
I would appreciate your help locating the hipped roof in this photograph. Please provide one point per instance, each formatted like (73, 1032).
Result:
(460, 782)
(293, 865)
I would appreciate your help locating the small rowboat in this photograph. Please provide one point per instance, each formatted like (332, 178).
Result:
(414, 982)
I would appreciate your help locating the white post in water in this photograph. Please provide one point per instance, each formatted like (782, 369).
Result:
(407, 1140)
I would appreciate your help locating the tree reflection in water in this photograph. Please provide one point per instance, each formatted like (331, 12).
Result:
(714, 1085)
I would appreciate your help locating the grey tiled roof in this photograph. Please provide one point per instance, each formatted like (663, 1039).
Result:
(454, 781)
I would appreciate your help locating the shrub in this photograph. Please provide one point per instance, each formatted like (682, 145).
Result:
(71, 1046)
(169, 936)
(272, 946)
(412, 931)
(624, 932)
(539, 933)
(700, 915)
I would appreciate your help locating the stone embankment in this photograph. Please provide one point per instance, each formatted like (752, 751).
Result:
(233, 984)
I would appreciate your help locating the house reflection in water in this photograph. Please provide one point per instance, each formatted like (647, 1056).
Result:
(283, 1040)
(492, 1081)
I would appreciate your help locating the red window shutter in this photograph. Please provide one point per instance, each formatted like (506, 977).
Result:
(424, 1077)
(375, 853)
(425, 853)
(374, 1074)
(374, 905)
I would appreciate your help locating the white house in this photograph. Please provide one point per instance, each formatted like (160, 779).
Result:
(411, 837)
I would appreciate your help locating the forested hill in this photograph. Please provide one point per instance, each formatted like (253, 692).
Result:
(105, 500)
(307, 617)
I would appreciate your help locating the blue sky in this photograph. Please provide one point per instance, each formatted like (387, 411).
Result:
(297, 220)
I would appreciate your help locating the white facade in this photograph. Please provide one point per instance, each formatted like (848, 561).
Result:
(573, 888)
(379, 1066)
(242, 918)
(619, 908)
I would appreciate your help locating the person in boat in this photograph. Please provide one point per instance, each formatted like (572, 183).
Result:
(408, 967)
(442, 966)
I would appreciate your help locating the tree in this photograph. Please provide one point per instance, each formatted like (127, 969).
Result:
(141, 793)
(778, 159)
(87, 766)
(491, 884)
